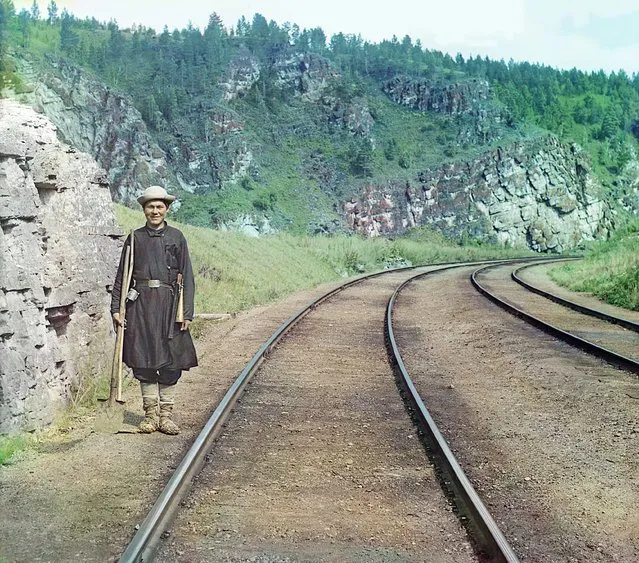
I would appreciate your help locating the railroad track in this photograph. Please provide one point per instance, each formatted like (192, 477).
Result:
(619, 317)
(613, 338)
(381, 436)
(547, 434)
(290, 473)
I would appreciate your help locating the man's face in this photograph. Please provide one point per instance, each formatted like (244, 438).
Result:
(155, 212)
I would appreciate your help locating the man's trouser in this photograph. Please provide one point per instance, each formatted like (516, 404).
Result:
(162, 375)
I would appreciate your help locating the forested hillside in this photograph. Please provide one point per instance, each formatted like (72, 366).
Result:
(259, 117)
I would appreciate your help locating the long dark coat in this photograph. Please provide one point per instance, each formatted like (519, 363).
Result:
(152, 339)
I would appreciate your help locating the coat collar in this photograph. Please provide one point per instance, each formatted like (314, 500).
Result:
(156, 232)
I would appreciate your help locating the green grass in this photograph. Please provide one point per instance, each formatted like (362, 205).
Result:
(86, 392)
(610, 270)
(10, 445)
(235, 272)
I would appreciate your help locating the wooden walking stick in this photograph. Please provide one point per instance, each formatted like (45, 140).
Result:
(123, 312)
(111, 417)
(116, 371)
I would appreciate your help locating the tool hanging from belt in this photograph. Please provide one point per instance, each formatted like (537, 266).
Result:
(179, 315)
(177, 309)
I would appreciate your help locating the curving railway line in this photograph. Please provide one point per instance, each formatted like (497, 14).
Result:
(320, 461)
(365, 486)
(312, 454)
(610, 337)
(547, 434)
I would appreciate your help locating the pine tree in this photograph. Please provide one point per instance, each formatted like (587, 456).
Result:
(116, 41)
(68, 37)
(214, 43)
(25, 26)
(611, 122)
(6, 12)
(52, 10)
(35, 10)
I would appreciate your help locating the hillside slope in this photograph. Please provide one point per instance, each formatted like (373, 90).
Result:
(266, 128)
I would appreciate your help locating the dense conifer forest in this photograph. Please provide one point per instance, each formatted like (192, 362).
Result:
(173, 76)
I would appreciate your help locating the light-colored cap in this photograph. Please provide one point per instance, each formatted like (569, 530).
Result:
(155, 192)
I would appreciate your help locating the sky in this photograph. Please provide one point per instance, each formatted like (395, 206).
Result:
(587, 34)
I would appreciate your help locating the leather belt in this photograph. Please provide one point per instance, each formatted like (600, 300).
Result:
(152, 284)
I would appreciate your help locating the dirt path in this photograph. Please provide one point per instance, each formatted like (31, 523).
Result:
(548, 435)
(321, 462)
(79, 499)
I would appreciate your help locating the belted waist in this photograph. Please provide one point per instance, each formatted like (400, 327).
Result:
(152, 284)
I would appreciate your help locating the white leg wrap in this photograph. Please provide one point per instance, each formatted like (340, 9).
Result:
(166, 394)
(149, 390)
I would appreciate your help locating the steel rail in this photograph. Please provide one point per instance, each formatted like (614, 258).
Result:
(483, 529)
(630, 325)
(585, 345)
(144, 543)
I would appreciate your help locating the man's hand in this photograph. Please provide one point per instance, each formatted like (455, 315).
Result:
(185, 325)
(117, 322)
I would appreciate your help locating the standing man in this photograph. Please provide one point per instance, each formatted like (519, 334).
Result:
(156, 346)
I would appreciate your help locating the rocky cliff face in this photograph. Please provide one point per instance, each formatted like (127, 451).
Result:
(469, 101)
(539, 194)
(58, 252)
(305, 75)
(536, 193)
(427, 95)
(226, 154)
(354, 116)
(105, 124)
(102, 123)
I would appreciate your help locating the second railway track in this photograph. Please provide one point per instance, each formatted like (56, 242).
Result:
(609, 340)
(547, 434)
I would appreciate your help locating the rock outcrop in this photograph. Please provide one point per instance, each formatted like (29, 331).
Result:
(539, 194)
(59, 244)
(242, 74)
(355, 116)
(470, 102)
(306, 75)
(101, 122)
(428, 95)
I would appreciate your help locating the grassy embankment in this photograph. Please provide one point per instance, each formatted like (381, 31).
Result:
(10, 445)
(610, 270)
(235, 272)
